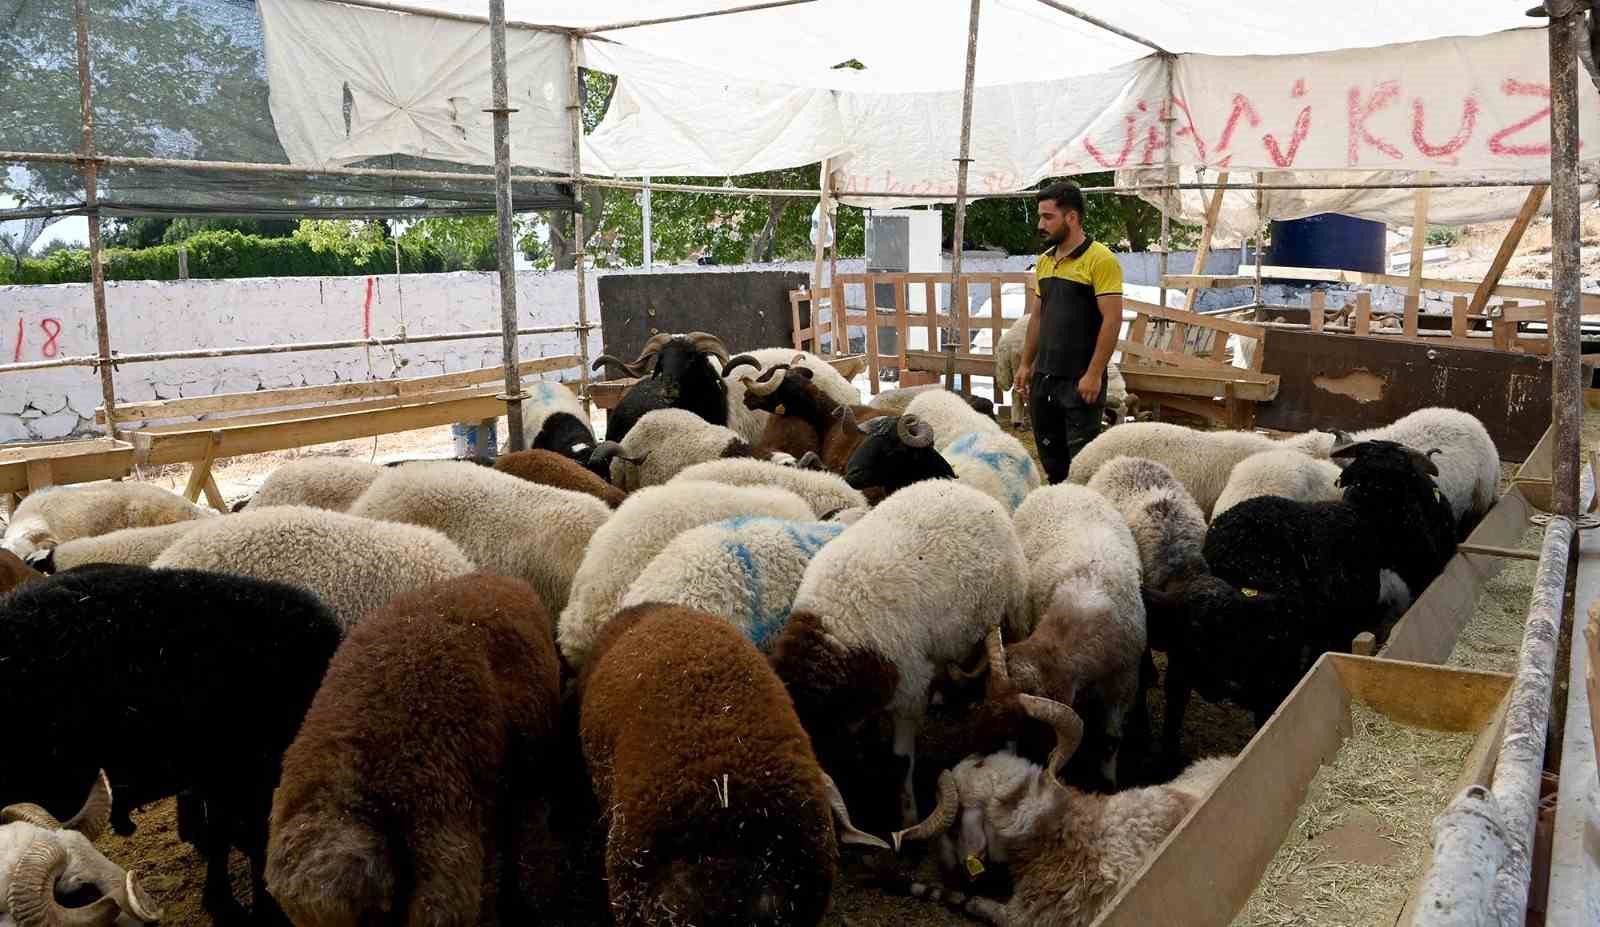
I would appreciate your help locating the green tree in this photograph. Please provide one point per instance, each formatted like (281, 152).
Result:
(1122, 222)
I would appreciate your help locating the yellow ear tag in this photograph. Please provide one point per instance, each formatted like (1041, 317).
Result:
(1437, 495)
(974, 866)
(778, 410)
(1249, 593)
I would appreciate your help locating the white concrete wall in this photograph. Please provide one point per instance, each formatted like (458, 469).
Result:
(178, 315)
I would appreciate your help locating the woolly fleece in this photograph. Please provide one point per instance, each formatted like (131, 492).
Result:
(824, 492)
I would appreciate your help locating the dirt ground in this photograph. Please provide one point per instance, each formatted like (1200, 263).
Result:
(1476, 247)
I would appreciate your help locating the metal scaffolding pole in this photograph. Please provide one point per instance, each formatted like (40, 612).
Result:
(1171, 172)
(1566, 371)
(579, 236)
(91, 199)
(513, 395)
(962, 162)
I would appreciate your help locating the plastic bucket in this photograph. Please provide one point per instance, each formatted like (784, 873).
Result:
(474, 441)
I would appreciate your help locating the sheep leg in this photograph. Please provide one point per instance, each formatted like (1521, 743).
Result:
(450, 889)
(1112, 720)
(988, 910)
(905, 742)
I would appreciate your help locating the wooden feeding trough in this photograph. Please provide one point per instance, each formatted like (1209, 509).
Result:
(1210, 865)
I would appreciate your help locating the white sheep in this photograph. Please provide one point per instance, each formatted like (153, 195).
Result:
(1201, 460)
(1469, 464)
(1283, 472)
(637, 531)
(354, 564)
(62, 513)
(745, 569)
(1089, 638)
(504, 524)
(665, 442)
(825, 492)
(132, 546)
(1167, 525)
(950, 416)
(547, 398)
(886, 607)
(331, 483)
(1068, 851)
(994, 463)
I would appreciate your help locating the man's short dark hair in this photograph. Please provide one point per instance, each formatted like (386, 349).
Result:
(1066, 195)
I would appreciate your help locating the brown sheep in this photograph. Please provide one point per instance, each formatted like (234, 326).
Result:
(13, 572)
(717, 811)
(415, 791)
(551, 469)
(796, 398)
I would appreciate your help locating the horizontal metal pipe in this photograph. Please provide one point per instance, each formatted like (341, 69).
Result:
(255, 167)
(198, 353)
(633, 24)
(1093, 21)
(456, 17)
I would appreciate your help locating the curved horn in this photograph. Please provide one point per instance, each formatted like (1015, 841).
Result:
(914, 432)
(602, 360)
(846, 831)
(709, 344)
(741, 360)
(1427, 461)
(138, 903)
(95, 815)
(29, 813)
(997, 658)
(32, 897)
(810, 461)
(600, 457)
(944, 814)
(768, 382)
(1067, 724)
(848, 416)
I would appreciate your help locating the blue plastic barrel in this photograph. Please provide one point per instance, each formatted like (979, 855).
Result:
(473, 441)
(1330, 241)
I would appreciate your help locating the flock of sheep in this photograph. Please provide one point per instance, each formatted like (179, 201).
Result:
(407, 692)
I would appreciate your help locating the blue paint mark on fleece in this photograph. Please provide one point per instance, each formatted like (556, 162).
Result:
(765, 623)
(1013, 471)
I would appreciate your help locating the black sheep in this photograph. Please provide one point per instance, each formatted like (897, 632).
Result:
(172, 681)
(898, 451)
(683, 378)
(569, 436)
(1411, 519)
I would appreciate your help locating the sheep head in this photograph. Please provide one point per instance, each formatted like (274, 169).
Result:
(895, 452)
(673, 354)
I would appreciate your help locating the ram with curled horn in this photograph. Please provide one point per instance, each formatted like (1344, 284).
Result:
(682, 376)
(43, 858)
(804, 417)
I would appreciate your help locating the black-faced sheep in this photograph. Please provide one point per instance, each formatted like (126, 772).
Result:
(1068, 851)
(799, 407)
(331, 483)
(895, 452)
(682, 377)
(43, 860)
(62, 513)
(887, 606)
(548, 468)
(503, 524)
(984, 458)
(717, 813)
(131, 546)
(825, 492)
(191, 681)
(751, 422)
(638, 530)
(353, 564)
(554, 420)
(1201, 460)
(417, 789)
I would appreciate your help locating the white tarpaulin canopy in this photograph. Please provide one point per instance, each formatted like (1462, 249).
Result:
(1381, 90)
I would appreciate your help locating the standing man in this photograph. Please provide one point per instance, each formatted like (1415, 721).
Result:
(1072, 334)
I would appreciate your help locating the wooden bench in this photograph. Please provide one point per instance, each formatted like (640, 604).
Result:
(32, 467)
(296, 417)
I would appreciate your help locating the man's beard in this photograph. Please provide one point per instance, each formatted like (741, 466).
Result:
(1055, 239)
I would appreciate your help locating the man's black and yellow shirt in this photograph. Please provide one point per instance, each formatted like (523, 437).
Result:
(1069, 289)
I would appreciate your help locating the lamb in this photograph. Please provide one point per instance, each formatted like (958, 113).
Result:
(883, 610)
(1088, 644)
(331, 483)
(1282, 472)
(503, 524)
(717, 813)
(682, 377)
(42, 858)
(1468, 463)
(1201, 460)
(131, 546)
(640, 528)
(1068, 851)
(217, 670)
(662, 444)
(63, 513)
(825, 492)
(745, 570)
(14, 572)
(354, 564)
(417, 788)
(548, 468)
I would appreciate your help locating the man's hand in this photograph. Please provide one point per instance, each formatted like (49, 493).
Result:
(1089, 387)
(1022, 381)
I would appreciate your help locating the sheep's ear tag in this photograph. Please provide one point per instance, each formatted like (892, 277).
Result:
(779, 410)
(1437, 495)
(974, 866)
(1249, 593)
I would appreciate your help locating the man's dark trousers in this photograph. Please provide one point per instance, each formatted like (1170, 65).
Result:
(1062, 422)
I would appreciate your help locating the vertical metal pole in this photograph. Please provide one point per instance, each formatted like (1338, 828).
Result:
(1565, 364)
(502, 111)
(91, 199)
(649, 232)
(1171, 173)
(1261, 242)
(579, 237)
(962, 162)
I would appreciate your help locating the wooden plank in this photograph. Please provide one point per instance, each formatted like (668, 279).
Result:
(978, 365)
(214, 495)
(1137, 331)
(997, 321)
(1216, 323)
(1362, 323)
(1194, 282)
(902, 320)
(1186, 361)
(1192, 383)
(1505, 326)
(1428, 631)
(871, 322)
(1419, 241)
(931, 304)
(1212, 411)
(1319, 302)
(1533, 478)
(1508, 247)
(1516, 312)
(963, 326)
(200, 473)
(838, 325)
(794, 320)
(40, 474)
(107, 461)
(305, 395)
(1460, 317)
(1213, 209)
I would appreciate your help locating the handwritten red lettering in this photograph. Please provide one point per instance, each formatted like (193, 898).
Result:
(1241, 107)
(1154, 141)
(1188, 130)
(1302, 128)
(1299, 89)
(1458, 141)
(1127, 146)
(1497, 142)
(366, 312)
(16, 353)
(52, 337)
(1359, 114)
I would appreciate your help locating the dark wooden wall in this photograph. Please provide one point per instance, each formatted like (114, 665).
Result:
(1353, 382)
(747, 310)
